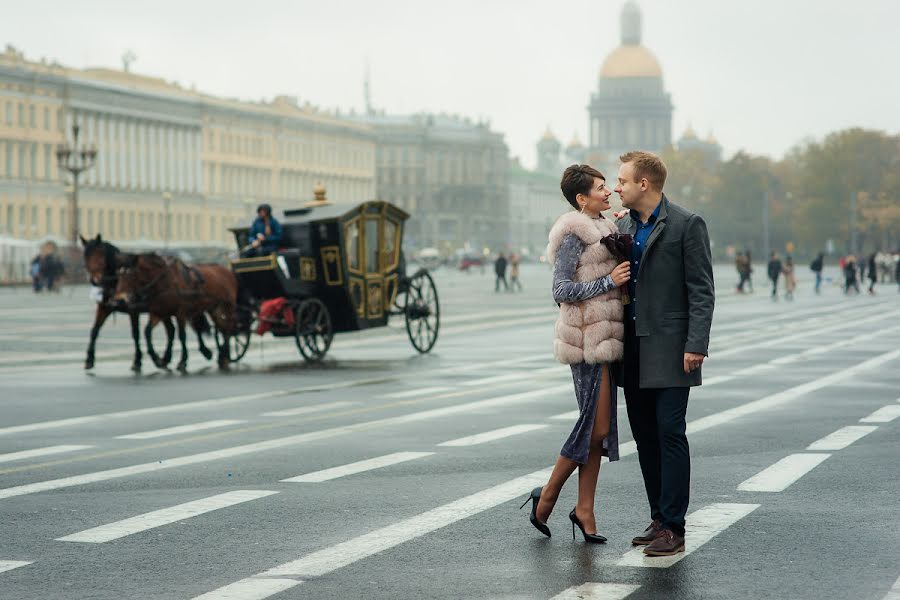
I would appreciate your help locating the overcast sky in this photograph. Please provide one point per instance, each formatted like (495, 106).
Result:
(761, 75)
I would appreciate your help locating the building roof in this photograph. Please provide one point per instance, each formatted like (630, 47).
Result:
(631, 59)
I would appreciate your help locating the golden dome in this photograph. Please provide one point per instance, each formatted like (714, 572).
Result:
(548, 136)
(630, 61)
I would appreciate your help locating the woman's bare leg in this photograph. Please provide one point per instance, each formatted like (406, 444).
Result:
(589, 472)
(563, 468)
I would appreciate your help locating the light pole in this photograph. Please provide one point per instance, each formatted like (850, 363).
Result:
(167, 201)
(75, 159)
(853, 209)
(765, 218)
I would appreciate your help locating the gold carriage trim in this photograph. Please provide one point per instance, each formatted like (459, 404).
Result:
(307, 268)
(257, 263)
(331, 265)
(375, 298)
(357, 296)
(390, 291)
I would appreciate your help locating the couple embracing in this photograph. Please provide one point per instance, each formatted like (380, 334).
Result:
(636, 303)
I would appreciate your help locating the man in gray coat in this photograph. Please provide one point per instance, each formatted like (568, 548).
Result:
(667, 323)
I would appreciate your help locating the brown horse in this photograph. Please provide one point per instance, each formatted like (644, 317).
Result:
(102, 261)
(169, 288)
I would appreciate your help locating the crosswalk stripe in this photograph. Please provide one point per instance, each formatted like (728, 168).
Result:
(165, 516)
(702, 526)
(894, 592)
(597, 591)
(842, 438)
(567, 416)
(256, 588)
(490, 436)
(340, 555)
(192, 459)
(885, 414)
(497, 378)
(417, 392)
(180, 429)
(306, 410)
(24, 454)
(782, 474)
(9, 565)
(357, 467)
(790, 394)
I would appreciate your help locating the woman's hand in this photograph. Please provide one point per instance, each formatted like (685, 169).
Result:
(622, 273)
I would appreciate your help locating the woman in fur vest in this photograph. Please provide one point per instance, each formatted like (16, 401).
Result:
(589, 333)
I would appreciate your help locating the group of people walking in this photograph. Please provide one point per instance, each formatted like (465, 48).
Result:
(500, 267)
(636, 299)
(46, 270)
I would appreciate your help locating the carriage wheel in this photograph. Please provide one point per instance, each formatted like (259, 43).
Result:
(237, 343)
(423, 312)
(313, 332)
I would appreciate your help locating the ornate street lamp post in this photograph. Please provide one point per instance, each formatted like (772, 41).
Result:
(75, 159)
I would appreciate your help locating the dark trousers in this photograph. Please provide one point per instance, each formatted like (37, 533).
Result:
(501, 277)
(658, 424)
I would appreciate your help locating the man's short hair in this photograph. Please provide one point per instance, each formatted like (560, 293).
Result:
(578, 179)
(647, 166)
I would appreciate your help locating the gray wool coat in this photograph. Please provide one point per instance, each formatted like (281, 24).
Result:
(676, 297)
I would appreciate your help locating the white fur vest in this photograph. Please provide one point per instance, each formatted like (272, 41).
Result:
(591, 330)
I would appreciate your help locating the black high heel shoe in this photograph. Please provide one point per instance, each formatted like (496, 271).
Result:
(591, 538)
(535, 497)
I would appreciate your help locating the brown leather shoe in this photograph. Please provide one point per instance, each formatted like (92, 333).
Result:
(666, 543)
(648, 535)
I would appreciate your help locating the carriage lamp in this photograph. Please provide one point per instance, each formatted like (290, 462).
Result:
(75, 159)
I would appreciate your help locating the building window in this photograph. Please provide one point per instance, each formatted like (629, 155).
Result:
(32, 117)
(48, 161)
(48, 218)
(33, 166)
(21, 165)
(9, 219)
(21, 115)
(9, 113)
(46, 119)
(9, 158)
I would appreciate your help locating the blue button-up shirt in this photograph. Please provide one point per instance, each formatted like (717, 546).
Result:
(637, 254)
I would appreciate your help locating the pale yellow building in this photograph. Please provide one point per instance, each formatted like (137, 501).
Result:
(172, 163)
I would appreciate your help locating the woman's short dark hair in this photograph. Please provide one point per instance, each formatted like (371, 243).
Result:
(578, 179)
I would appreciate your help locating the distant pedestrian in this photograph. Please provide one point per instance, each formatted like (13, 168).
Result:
(873, 273)
(851, 281)
(514, 273)
(749, 270)
(790, 278)
(774, 269)
(816, 267)
(742, 265)
(35, 271)
(51, 271)
(500, 271)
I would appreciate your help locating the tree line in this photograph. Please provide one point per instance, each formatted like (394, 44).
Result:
(820, 191)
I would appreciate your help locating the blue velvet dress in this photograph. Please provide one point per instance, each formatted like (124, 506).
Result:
(587, 377)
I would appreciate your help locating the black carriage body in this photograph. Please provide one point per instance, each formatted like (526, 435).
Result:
(349, 258)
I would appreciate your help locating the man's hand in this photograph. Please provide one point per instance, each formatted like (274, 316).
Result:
(260, 236)
(255, 244)
(692, 361)
(620, 214)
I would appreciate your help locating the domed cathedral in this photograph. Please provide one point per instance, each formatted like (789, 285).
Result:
(631, 109)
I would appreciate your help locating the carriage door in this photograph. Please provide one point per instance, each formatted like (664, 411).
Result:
(372, 244)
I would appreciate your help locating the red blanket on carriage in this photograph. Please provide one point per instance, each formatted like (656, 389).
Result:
(274, 312)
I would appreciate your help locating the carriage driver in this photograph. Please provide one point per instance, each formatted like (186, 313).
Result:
(265, 233)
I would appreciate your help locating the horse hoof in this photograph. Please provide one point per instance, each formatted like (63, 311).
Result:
(88, 365)
(182, 368)
(136, 368)
(207, 353)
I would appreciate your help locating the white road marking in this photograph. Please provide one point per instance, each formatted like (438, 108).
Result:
(490, 436)
(782, 474)
(191, 459)
(894, 592)
(414, 393)
(340, 555)
(255, 588)
(22, 455)
(9, 565)
(597, 591)
(842, 438)
(702, 526)
(178, 430)
(885, 414)
(567, 416)
(165, 516)
(498, 378)
(305, 410)
(790, 394)
(777, 340)
(357, 467)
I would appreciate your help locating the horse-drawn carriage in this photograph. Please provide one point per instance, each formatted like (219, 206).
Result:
(337, 269)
